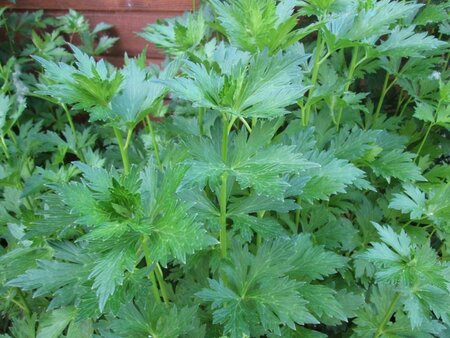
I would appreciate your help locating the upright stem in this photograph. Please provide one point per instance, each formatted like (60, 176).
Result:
(384, 91)
(424, 140)
(151, 275)
(23, 302)
(401, 99)
(201, 114)
(428, 130)
(223, 192)
(351, 71)
(69, 118)
(4, 147)
(155, 144)
(297, 215)
(405, 106)
(314, 75)
(123, 151)
(388, 316)
(258, 236)
(162, 283)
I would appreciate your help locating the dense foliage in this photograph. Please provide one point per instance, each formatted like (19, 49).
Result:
(284, 173)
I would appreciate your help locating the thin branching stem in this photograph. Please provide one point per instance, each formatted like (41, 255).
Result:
(162, 283)
(315, 73)
(387, 316)
(424, 140)
(405, 106)
(427, 132)
(4, 147)
(386, 87)
(245, 123)
(154, 142)
(151, 275)
(223, 188)
(201, 115)
(351, 70)
(258, 235)
(123, 151)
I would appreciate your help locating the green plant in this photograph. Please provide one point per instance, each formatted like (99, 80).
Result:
(296, 183)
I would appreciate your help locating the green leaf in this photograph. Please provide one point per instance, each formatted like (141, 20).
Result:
(140, 94)
(367, 23)
(372, 318)
(148, 319)
(412, 201)
(257, 293)
(108, 272)
(177, 35)
(250, 161)
(406, 43)
(80, 329)
(174, 234)
(253, 25)
(23, 327)
(417, 273)
(262, 290)
(313, 262)
(432, 13)
(396, 163)
(53, 325)
(424, 112)
(5, 105)
(89, 86)
(241, 85)
(333, 176)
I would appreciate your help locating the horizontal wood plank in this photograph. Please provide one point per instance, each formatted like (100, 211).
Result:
(125, 27)
(128, 17)
(103, 5)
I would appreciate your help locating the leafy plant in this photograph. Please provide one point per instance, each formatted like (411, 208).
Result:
(285, 172)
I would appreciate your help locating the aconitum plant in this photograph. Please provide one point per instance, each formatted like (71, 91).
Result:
(285, 172)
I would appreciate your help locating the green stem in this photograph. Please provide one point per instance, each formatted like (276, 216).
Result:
(201, 114)
(384, 91)
(23, 301)
(11, 135)
(69, 118)
(424, 140)
(405, 106)
(388, 316)
(155, 144)
(128, 139)
(162, 283)
(74, 133)
(245, 123)
(401, 99)
(315, 73)
(351, 71)
(193, 5)
(223, 191)
(151, 275)
(123, 151)
(258, 236)
(428, 131)
(297, 215)
(4, 147)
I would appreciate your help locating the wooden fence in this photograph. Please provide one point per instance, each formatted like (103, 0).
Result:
(127, 16)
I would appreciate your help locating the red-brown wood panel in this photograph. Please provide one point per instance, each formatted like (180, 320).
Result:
(104, 5)
(126, 25)
(127, 16)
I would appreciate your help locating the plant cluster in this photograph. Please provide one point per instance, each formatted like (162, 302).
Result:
(284, 173)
